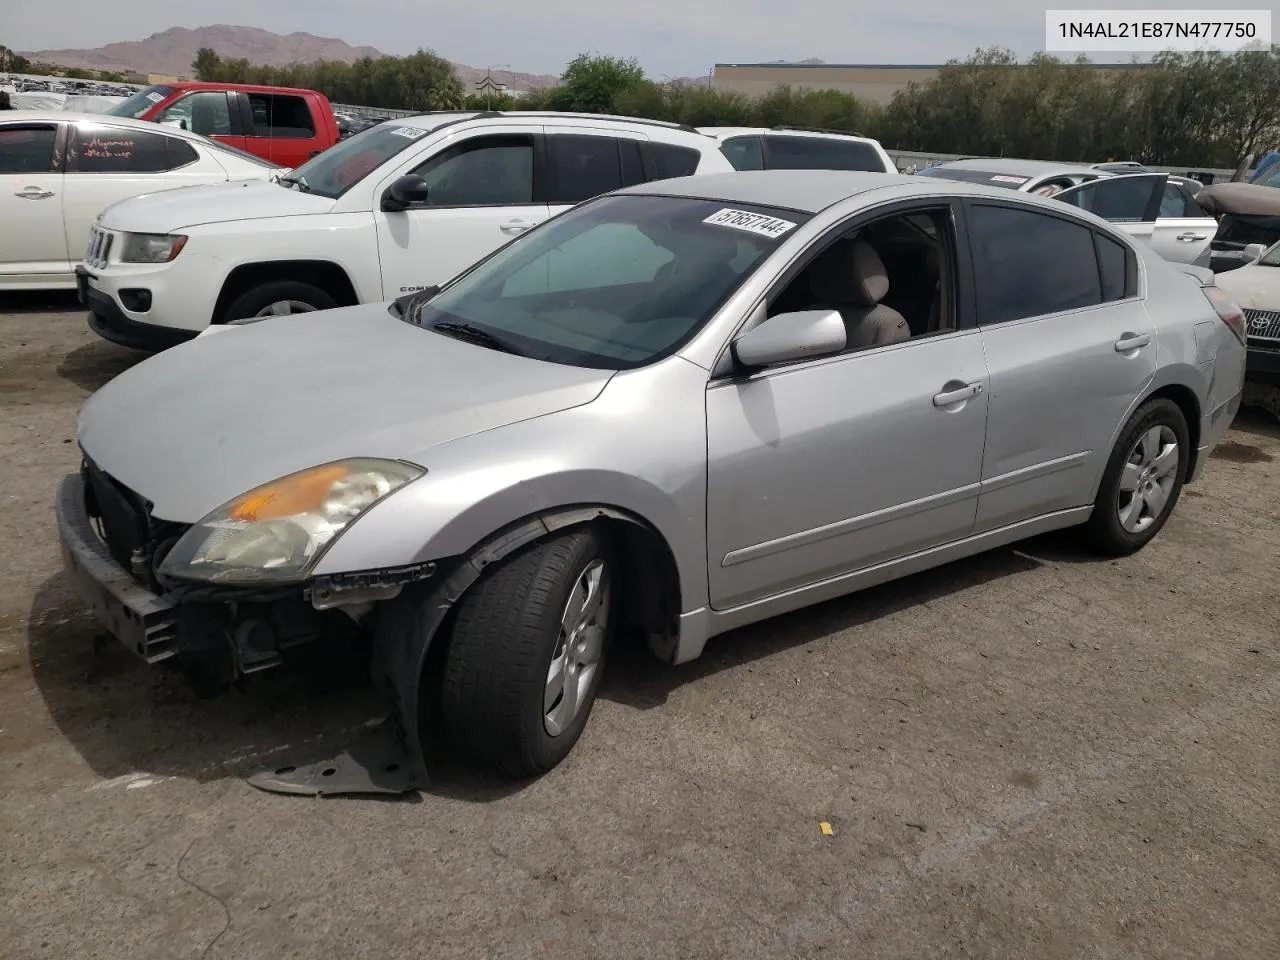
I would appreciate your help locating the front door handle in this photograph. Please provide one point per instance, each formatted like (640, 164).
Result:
(951, 397)
(1132, 341)
(1189, 237)
(517, 226)
(34, 193)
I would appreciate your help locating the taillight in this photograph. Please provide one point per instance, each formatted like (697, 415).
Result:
(1227, 309)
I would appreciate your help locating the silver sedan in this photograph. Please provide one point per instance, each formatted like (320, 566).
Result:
(672, 411)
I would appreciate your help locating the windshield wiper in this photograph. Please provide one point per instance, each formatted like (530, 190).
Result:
(298, 182)
(473, 334)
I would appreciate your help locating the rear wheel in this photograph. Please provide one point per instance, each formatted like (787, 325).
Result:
(278, 298)
(526, 654)
(1142, 481)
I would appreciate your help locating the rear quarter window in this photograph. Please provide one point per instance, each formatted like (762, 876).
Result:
(672, 161)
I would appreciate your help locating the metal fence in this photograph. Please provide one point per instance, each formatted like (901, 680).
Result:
(362, 113)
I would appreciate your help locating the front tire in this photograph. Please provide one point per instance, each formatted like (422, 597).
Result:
(527, 650)
(278, 298)
(1143, 480)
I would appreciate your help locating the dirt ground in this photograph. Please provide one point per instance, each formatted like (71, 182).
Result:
(1030, 754)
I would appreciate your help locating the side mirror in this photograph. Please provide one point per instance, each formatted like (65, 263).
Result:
(791, 336)
(1253, 251)
(405, 192)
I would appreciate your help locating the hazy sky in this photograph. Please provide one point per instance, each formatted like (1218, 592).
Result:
(669, 37)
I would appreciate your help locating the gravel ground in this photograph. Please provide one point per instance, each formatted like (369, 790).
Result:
(1030, 754)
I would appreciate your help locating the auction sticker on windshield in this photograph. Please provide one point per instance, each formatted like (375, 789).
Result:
(1006, 179)
(757, 223)
(413, 133)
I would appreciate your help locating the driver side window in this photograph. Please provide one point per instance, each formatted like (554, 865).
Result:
(481, 172)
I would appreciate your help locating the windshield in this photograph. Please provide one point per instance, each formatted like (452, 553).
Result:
(140, 103)
(1270, 177)
(616, 283)
(342, 166)
(1272, 257)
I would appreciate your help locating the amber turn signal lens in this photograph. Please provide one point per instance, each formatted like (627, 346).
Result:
(293, 495)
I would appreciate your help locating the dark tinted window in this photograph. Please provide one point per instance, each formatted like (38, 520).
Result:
(1028, 264)
(1113, 263)
(745, 153)
(820, 153)
(1237, 228)
(583, 167)
(672, 161)
(632, 165)
(483, 171)
(27, 149)
(281, 115)
(117, 150)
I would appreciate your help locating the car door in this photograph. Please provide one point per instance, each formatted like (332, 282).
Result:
(210, 113)
(481, 194)
(824, 467)
(33, 243)
(107, 163)
(1131, 201)
(280, 127)
(1183, 229)
(1069, 345)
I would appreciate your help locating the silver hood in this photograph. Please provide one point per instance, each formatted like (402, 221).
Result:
(168, 210)
(206, 421)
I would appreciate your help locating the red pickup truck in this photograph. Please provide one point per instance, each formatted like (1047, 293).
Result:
(280, 124)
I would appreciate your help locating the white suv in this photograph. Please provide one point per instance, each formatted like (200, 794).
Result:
(795, 148)
(402, 206)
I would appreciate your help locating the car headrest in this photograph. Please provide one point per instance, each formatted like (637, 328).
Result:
(850, 272)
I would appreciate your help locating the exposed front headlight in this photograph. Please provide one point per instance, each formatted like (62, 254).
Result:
(277, 532)
(151, 247)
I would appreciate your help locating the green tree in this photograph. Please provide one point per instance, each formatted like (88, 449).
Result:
(207, 65)
(593, 84)
(13, 62)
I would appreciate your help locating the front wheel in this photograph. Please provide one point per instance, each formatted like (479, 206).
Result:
(526, 654)
(1142, 481)
(278, 298)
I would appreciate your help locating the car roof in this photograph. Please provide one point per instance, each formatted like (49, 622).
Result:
(812, 191)
(240, 87)
(434, 120)
(721, 133)
(68, 116)
(1030, 168)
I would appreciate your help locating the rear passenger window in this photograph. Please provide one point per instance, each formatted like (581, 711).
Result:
(27, 149)
(745, 153)
(1113, 265)
(1029, 264)
(282, 116)
(117, 150)
(821, 153)
(672, 161)
(583, 167)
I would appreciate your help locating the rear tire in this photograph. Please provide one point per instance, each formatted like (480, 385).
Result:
(1142, 482)
(304, 297)
(499, 692)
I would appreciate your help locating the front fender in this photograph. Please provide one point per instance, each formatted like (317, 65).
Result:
(639, 450)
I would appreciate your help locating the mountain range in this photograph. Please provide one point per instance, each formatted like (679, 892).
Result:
(171, 52)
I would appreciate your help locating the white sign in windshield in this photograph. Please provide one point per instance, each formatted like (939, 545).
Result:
(757, 223)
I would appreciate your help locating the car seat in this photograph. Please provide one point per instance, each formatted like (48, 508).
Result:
(851, 278)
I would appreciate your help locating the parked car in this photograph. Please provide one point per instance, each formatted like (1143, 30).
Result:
(283, 125)
(621, 424)
(1248, 214)
(402, 206)
(1152, 206)
(1256, 287)
(59, 170)
(795, 148)
(1191, 184)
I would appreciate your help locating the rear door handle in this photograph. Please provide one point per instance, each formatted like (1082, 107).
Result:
(1132, 341)
(951, 397)
(517, 226)
(1189, 237)
(34, 193)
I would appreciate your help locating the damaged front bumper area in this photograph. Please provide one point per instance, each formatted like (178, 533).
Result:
(218, 634)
